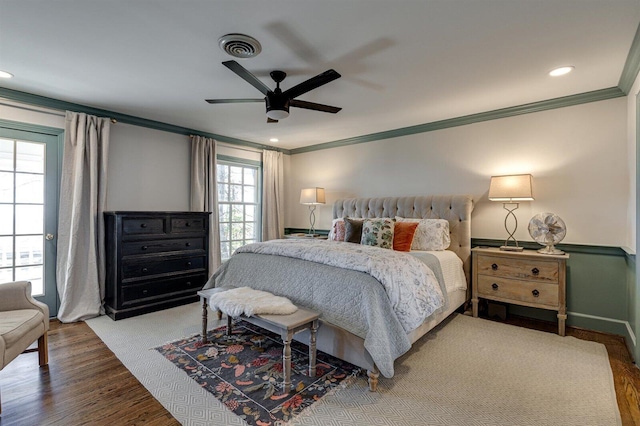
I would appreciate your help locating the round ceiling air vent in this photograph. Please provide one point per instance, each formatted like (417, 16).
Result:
(240, 45)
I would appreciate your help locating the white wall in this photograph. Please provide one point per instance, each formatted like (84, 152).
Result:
(577, 156)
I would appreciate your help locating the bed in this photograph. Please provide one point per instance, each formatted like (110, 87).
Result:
(358, 323)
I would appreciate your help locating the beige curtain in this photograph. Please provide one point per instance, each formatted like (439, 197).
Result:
(204, 192)
(272, 195)
(83, 192)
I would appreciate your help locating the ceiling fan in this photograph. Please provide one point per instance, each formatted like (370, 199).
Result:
(278, 102)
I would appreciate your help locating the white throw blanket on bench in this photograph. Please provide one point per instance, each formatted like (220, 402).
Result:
(248, 302)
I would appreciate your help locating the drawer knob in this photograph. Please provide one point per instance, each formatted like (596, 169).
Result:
(143, 225)
(188, 224)
(188, 283)
(145, 291)
(188, 244)
(535, 293)
(188, 263)
(144, 247)
(494, 267)
(535, 271)
(145, 270)
(494, 286)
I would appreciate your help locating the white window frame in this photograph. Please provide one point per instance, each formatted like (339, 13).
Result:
(257, 166)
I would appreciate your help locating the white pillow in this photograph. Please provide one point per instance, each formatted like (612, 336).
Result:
(431, 234)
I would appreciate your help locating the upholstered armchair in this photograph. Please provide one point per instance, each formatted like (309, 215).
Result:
(23, 320)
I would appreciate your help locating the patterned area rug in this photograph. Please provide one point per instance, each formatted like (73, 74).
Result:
(244, 371)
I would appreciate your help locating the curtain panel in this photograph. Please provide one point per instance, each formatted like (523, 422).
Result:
(272, 195)
(80, 269)
(204, 192)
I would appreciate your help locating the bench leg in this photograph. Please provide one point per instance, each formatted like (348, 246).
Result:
(312, 349)
(286, 360)
(204, 320)
(229, 325)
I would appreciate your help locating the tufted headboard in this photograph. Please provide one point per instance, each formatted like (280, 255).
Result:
(455, 208)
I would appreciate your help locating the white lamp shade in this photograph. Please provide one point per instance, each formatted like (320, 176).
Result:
(312, 196)
(511, 188)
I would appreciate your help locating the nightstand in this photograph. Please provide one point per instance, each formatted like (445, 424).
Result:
(525, 278)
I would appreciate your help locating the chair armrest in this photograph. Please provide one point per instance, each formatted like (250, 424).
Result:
(17, 295)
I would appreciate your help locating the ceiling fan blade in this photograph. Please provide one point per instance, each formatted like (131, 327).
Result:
(314, 82)
(311, 105)
(232, 101)
(271, 120)
(247, 76)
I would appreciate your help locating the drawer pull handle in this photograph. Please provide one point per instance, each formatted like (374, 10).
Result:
(494, 267)
(535, 271)
(145, 291)
(188, 244)
(145, 270)
(188, 283)
(188, 263)
(535, 293)
(188, 224)
(144, 247)
(494, 286)
(143, 225)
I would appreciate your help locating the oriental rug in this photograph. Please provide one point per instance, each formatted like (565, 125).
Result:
(244, 371)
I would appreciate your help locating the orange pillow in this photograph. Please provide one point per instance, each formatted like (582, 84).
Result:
(403, 233)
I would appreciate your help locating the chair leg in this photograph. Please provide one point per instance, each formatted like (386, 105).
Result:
(43, 349)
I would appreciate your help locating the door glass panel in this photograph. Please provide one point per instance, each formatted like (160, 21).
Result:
(6, 251)
(33, 274)
(29, 188)
(29, 219)
(6, 219)
(6, 154)
(30, 157)
(6, 275)
(29, 250)
(6, 187)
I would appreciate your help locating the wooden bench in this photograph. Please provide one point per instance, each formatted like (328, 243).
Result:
(284, 325)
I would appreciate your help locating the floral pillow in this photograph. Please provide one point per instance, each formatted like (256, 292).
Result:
(432, 234)
(378, 233)
(337, 231)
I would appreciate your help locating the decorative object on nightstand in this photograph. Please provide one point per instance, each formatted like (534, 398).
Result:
(522, 278)
(511, 189)
(312, 197)
(547, 229)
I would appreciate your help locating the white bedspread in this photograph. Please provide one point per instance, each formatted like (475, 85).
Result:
(411, 285)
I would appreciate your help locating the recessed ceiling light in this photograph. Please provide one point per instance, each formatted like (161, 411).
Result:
(274, 140)
(560, 71)
(4, 74)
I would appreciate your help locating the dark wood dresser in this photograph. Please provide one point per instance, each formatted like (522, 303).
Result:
(154, 260)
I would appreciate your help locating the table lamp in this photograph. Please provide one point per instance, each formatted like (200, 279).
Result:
(511, 189)
(312, 197)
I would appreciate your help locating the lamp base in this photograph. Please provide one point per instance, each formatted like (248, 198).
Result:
(511, 248)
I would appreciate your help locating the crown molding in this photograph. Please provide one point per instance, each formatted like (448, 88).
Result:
(631, 65)
(565, 101)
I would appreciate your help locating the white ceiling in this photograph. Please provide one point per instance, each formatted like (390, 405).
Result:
(403, 62)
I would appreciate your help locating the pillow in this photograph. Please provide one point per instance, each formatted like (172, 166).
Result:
(352, 230)
(378, 233)
(403, 233)
(432, 234)
(337, 230)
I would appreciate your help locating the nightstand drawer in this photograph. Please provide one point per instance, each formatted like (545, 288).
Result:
(506, 290)
(523, 269)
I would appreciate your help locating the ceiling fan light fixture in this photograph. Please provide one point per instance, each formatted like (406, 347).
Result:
(5, 74)
(277, 114)
(240, 45)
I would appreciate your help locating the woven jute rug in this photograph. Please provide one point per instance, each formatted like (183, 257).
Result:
(467, 371)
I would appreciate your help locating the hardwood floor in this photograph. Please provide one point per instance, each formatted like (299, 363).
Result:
(85, 384)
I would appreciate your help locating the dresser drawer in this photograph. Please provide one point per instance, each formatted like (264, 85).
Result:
(145, 292)
(137, 268)
(187, 224)
(159, 246)
(137, 226)
(523, 269)
(538, 293)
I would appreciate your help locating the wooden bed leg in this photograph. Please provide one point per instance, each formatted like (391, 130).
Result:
(373, 379)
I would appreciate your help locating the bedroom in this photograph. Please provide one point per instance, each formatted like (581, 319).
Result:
(581, 156)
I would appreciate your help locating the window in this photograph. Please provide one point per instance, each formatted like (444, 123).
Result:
(238, 204)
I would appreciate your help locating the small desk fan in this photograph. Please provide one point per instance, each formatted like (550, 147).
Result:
(547, 229)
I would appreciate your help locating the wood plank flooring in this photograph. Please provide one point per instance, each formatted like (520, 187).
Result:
(85, 384)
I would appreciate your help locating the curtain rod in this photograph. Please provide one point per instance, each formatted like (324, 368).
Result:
(113, 120)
